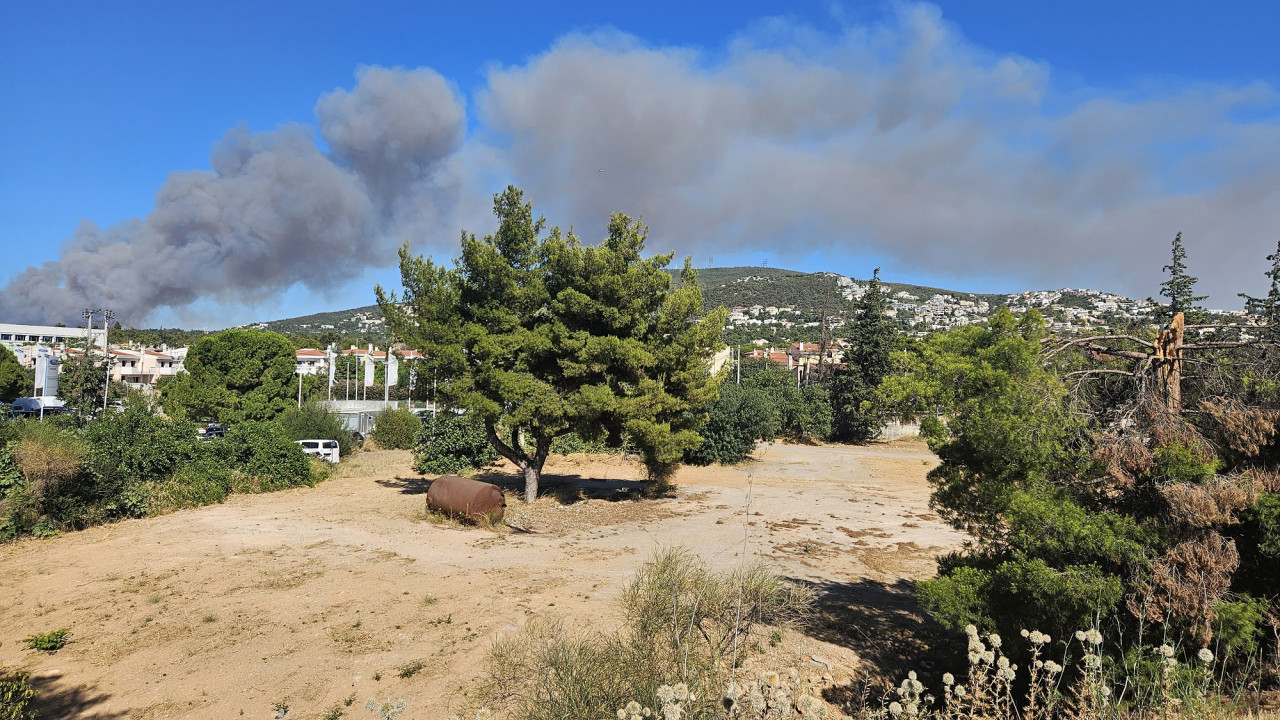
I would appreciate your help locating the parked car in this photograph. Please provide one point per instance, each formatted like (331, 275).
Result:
(324, 449)
(211, 431)
(32, 406)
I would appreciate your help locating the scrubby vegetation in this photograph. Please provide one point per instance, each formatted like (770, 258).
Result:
(396, 429)
(55, 475)
(314, 421)
(1123, 482)
(451, 443)
(683, 623)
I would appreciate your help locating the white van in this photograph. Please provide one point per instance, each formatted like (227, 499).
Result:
(323, 449)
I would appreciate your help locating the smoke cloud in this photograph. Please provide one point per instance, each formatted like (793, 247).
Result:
(899, 139)
(273, 211)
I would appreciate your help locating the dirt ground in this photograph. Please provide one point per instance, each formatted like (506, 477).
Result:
(312, 596)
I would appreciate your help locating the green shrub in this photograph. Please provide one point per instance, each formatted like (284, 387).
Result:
(50, 642)
(452, 443)
(572, 443)
(314, 421)
(16, 694)
(266, 458)
(739, 416)
(47, 455)
(194, 485)
(396, 429)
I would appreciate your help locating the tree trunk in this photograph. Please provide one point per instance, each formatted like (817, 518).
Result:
(1168, 363)
(531, 466)
(531, 477)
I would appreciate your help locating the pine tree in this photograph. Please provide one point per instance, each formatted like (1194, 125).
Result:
(1179, 288)
(872, 337)
(1268, 308)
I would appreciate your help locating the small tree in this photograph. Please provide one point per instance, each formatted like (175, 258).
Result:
(14, 381)
(1180, 288)
(234, 375)
(539, 336)
(1268, 308)
(873, 336)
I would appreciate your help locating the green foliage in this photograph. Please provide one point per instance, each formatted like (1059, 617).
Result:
(314, 421)
(1179, 289)
(50, 642)
(741, 415)
(573, 443)
(1239, 625)
(81, 382)
(1268, 308)
(873, 337)
(449, 444)
(1019, 592)
(16, 694)
(133, 464)
(396, 429)
(14, 381)
(267, 458)
(537, 335)
(233, 376)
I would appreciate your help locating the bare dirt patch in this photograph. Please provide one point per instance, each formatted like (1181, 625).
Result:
(306, 596)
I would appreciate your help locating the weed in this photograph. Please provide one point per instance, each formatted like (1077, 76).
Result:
(50, 642)
(333, 713)
(775, 638)
(209, 617)
(446, 620)
(385, 709)
(350, 699)
(377, 676)
(411, 668)
(281, 707)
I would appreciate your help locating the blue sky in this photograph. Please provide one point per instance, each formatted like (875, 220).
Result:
(986, 146)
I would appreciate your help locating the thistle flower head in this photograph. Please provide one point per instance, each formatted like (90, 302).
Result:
(1052, 667)
(1093, 636)
(1205, 655)
(970, 630)
(994, 640)
(1165, 650)
(948, 679)
(895, 708)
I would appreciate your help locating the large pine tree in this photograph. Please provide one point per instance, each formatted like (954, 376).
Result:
(872, 336)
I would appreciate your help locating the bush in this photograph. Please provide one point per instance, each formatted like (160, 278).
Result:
(267, 459)
(16, 694)
(47, 455)
(682, 624)
(739, 417)
(314, 421)
(452, 443)
(200, 483)
(396, 429)
(50, 642)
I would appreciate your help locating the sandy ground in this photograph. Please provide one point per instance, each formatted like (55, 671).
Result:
(311, 596)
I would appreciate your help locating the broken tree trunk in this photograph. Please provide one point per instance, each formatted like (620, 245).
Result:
(1168, 363)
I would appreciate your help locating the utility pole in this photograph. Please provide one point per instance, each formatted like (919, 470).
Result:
(106, 349)
(299, 388)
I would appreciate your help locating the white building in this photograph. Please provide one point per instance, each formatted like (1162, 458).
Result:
(53, 337)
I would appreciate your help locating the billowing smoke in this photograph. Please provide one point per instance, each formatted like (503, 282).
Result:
(273, 211)
(899, 140)
(904, 141)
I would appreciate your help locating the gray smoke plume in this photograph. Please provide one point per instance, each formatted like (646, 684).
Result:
(901, 140)
(273, 210)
